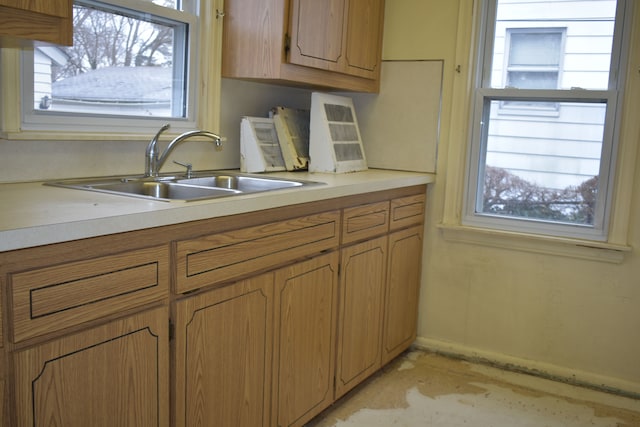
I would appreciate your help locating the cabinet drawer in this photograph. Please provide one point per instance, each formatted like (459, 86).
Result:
(361, 222)
(406, 211)
(221, 257)
(52, 298)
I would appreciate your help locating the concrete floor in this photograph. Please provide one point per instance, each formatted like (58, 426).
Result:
(424, 389)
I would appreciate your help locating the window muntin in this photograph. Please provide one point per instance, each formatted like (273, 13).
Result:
(131, 66)
(545, 173)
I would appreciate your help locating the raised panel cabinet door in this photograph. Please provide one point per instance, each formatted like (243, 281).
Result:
(362, 287)
(365, 21)
(116, 374)
(223, 348)
(403, 287)
(305, 322)
(318, 33)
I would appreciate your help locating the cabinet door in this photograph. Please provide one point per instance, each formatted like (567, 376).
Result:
(223, 348)
(362, 280)
(338, 35)
(403, 287)
(305, 324)
(364, 37)
(112, 375)
(317, 33)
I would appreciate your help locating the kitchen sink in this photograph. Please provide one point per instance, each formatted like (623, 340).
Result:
(200, 185)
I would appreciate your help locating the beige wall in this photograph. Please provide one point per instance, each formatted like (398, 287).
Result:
(561, 315)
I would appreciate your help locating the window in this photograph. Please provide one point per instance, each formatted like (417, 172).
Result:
(131, 66)
(533, 58)
(544, 117)
(533, 62)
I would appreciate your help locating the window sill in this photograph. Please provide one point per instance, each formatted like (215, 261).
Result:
(547, 245)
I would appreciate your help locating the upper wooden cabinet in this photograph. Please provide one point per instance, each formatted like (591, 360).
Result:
(337, 35)
(334, 44)
(22, 22)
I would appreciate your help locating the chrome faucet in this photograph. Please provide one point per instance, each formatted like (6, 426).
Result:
(153, 162)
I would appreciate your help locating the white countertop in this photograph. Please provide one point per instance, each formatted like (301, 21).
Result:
(33, 214)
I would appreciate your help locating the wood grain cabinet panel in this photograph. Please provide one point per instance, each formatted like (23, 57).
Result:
(362, 288)
(4, 396)
(116, 374)
(403, 288)
(306, 300)
(44, 20)
(225, 256)
(363, 44)
(407, 211)
(317, 33)
(344, 36)
(361, 222)
(55, 297)
(224, 343)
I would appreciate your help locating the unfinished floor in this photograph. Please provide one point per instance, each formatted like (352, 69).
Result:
(425, 389)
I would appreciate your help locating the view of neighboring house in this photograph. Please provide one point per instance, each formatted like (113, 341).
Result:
(552, 144)
(109, 90)
(44, 58)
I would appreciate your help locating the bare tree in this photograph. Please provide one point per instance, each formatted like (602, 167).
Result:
(106, 39)
(509, 195)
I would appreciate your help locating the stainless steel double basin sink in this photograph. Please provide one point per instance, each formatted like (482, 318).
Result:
(200, 186)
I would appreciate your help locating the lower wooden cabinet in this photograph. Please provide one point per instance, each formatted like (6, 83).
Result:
(223, 347)
(116, 374)
(362, 288)
(403, 287)
(305, 305)
(268, 323)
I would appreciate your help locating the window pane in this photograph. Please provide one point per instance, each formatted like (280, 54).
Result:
(173, 4)
(120, 64)
(529, 34)
(543, 168)
(532, 80)
(535, 48)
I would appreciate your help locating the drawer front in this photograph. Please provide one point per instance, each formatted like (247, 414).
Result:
(52, 298)
(221, 257)
(406, 211)
(361, 222)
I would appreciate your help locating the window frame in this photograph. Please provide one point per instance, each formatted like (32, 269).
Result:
(203, 86)
(483, 93)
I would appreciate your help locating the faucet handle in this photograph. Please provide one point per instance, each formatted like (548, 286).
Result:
(189, 167)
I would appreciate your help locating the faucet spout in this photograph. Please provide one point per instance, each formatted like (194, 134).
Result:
(153, 162)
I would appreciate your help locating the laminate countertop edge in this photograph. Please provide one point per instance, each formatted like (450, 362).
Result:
(33, 214)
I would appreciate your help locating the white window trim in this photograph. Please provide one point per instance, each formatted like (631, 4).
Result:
(451, 226)
(205, 82)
